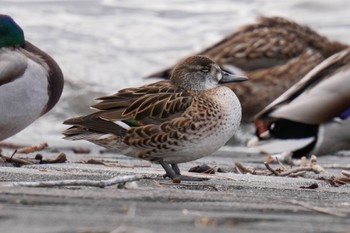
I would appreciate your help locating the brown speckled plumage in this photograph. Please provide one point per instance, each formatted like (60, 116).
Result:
(168, 122)
(274, 53)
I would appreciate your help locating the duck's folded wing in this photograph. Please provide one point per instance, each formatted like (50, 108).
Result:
(150, 104)
(92, 122)
(151, 108)
(124, 97)
(12, 66)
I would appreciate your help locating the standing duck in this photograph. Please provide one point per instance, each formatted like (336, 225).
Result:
(274, 53)
(31, 82)
(313, 116)
(166, 122)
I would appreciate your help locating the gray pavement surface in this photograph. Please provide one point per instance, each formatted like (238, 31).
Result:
(228, 202)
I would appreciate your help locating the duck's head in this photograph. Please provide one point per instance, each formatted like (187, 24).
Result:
(200, 73)
(10, 33)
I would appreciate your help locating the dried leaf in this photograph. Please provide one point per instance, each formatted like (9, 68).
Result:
(33, 148)
(61, 158)
(94, 161)
(81, 150)
(204, 168)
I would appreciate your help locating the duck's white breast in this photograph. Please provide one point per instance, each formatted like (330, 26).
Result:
(213, 138)
(231, 112)
(22, 100)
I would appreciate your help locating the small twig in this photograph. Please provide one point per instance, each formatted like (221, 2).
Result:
(337, 166)
(279, 162)
(204, 169)
(293, 171)
(210, 170)
(93, 183)
(299, 169)
(285, 157)
(15, 160)
(13, 154)
(345, 173)
(301, 173)
(61, 158)
(239, 170)
(336, 181)
(270, 169)
(33, 148)
(242, 168)
(341, 181)
(315, 208)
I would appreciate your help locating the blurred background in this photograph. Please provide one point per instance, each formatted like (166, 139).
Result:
(102, 46)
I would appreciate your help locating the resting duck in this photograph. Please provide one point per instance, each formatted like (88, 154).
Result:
(274, 53)
(313, 116)
(31, 82)
(167, 122)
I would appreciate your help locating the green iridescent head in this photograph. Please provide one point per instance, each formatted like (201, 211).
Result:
(10, 33)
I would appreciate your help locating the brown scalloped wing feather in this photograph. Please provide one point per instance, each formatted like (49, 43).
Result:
(154, 103)
(92, 122)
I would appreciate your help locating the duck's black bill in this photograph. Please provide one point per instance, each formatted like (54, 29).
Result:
(228, 78)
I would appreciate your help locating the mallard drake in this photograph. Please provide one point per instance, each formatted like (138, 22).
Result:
(274, 53)
(313, 116)
(167, 122)
(31, 82)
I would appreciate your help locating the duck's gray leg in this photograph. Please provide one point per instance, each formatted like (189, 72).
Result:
(173, 172)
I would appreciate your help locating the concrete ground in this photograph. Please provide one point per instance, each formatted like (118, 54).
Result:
(228, 202)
